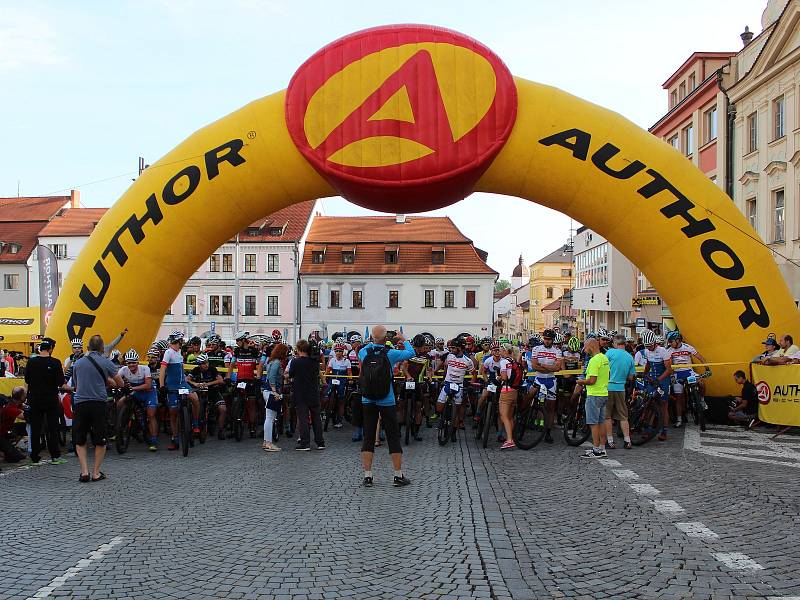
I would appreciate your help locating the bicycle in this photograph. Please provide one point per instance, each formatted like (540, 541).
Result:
(576, 430)
(529, 423)
(489, 418)
(185, 421)
(645, 413)
(202, 397)
(332, 404)
(446, 429)
(411, 395)
(695, 404)
(237, 413)
(131, 422)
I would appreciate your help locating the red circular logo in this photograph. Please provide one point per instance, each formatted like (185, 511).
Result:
(402, 118)
(764, 393)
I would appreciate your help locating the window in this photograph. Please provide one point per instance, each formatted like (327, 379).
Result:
(313, 298)
(779, 116)
(191, 305)
(390, 257)
(276, 230)
(59, 250)
(688, 140)
(750, 212)
(673, 141)
(437, 257)
(213, 305)
(430, 296)
(710, 119)
(566, 272)
(272, 306)
(11, 281)
(317, 257)
(673, 98)
(14, 248)
(227, 305)
(249, 263)
(682, 90)
(692, 82)
(779, 223)
(213, 263)
(227, 263)
(394, 299)
(591, 267)
(469, 301)
(449, 298)
(358, 299)
(273, 264)
(253, 231)
(549, 293)
(752, 133)
(335, 297)
(348, 257)
(249, 306)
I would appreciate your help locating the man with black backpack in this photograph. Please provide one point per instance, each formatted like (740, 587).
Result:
(377, 397)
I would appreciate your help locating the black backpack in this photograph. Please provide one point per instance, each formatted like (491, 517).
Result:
(375, 379)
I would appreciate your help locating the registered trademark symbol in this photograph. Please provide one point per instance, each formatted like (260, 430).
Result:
(251, 135)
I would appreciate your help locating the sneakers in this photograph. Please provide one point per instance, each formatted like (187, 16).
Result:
(662, 436)
(401, 481)
(152, 447)
(509, 445)
(592, 453)
(321, 446)
(628, 445)
(302, 447)
(59, 461)
(270, 447)
(367, 483)
(196, 430)
(337, 425)
(611, 445)
(173, 445)
(678, 422)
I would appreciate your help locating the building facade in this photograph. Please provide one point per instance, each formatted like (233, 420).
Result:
(551, 278)
(249, 283)
(415, 273)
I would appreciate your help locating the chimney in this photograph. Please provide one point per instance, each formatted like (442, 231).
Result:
(400, 218)
(747, 36)
(75, 199)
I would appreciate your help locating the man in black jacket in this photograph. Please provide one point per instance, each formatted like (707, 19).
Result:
(44, 376)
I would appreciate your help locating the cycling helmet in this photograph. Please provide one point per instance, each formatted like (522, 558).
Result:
(356, 339)
(131, 356)
(629, 340)
(603, 334)
(458, 343)
(162, 345)
(114, 354)
(195, 340)
(214, 339)
(659, 339)
(241, 335)
(469, 340)
(674, 336)
(574, 344)
(419, 340)
(495, 345)
(154, 351)
(201, 358)
(439, 340)
(549, 333)
(503, 340)
(559, 339)
(276, 334)
(339, 347)
(175, 336)
(77, 343)
(533, 341)
(429, 339)
(591, 335)
(486, 340)
(647, 337)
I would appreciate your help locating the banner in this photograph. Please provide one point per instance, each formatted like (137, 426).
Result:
(778, 393)
(48, 283)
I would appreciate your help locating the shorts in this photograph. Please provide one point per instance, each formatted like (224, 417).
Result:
(457, 396)
(148, 398)
(90, 417)
(508, 396)
(173, 398)
(595, 409)
(681, 376)
(617, 406)
(550, 384)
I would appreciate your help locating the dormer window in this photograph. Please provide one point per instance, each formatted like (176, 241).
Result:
(390, 255)
(437, 255)
(348, 256)
(253, 231)
(276, 231)
(318, 255)
(14, 248)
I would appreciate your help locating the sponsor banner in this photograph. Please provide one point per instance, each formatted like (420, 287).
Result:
(48, 283)
(778, 393)
(16, 322)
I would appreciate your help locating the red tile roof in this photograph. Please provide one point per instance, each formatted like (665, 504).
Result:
(14, 210)
(371, 236)
(293, 219)
(24, 234)
(554, 305)
(74, 221)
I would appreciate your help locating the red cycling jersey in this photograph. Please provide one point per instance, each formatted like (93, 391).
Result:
(246, 360)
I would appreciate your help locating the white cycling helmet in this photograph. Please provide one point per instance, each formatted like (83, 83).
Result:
(647, 337)
(201, 358)
(659, 339)
(241, 335)
(559, 339)
(131, 356)
(175, 336)
(77, 343)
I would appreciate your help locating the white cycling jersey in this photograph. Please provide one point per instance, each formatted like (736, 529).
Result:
(547, 357)
(457, 368)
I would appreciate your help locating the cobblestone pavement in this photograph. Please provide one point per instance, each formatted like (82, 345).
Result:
(231, 521)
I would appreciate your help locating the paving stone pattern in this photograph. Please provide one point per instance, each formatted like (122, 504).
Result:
(231, 521)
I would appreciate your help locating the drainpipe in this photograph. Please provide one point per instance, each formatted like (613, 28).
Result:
(730, 113)
(297, 293)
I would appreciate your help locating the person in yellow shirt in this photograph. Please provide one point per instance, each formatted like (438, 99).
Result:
(596, 382)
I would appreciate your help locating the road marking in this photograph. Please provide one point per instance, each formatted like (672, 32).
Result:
(742, 446)
(625, 473)
(645, 489)
(609, 462)
(57, 582)
(737, 561)
(783, 598)
(696, 529)
(668, 506)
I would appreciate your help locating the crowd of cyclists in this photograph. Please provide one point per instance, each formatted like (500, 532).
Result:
(185, 390)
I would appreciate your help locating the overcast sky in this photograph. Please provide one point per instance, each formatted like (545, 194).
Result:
(89, 86)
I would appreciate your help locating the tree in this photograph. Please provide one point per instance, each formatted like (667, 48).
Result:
(501, 285)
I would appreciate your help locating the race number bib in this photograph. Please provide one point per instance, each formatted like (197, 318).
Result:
(183, 391)
(335, 382)
(410, 385)
(492, 388)
(241, 385)
(454, 387)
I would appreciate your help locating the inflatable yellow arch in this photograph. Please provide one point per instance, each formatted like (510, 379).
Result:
(411, 118)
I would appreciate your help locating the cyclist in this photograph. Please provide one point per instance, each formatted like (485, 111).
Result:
(140, 381)
(171, 379)
(339, 366)
(657, 361)
(604, 339)
(547, 359)
(437, 354)
(488, 372)
(457, 365)
(206, 377)
(77, 352)
(680, 355)
(245, 359)
(418, 369)
(193, 349)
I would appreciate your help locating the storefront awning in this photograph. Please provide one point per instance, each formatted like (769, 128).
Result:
(19, 325)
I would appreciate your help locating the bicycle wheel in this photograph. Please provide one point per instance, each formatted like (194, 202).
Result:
(576, 431)
(699, 412)
(237, 420)
(123, 428)
(529, 428)
(646, 423)
(186, 429)
(443, 427)
(410, 405)
(203, 421)
(487, 421)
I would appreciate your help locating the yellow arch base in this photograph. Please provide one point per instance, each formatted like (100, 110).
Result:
(685, 234)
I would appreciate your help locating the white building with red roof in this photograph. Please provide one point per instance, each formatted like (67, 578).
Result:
(418, 273)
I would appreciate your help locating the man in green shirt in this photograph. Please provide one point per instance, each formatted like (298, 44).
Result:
(596, 382)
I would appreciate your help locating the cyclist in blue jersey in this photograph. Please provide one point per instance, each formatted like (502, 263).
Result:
(658, 366)
(172, 379)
